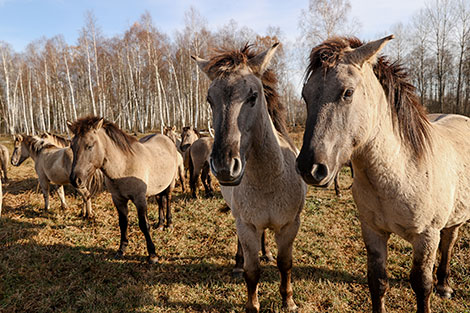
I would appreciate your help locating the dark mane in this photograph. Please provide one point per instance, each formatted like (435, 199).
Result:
(119, 137)
(407, 112)
(36, 144)
(225, 62)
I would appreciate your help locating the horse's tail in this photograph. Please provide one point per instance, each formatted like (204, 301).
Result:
(95, 183)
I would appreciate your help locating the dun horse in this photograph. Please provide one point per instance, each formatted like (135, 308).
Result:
(411, 175)
(254, 161)
(133, 170)
(53, 165)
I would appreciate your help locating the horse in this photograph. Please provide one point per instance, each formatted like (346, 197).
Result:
(53, 165)
(410, 174)
(253, 159)
(56, 140)
(4, 160)
(171, 133)
(133, 170)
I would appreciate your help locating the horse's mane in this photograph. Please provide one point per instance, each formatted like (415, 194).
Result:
(227, 61)
(406, 109)
(36, 144)
(62, 141)
(119, 137)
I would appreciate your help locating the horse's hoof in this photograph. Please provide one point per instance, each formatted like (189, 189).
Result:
(237, 273)
(290, 306)
(119, 255)
(444, 291)
(169, 226)
(152, 259)
(268, 258)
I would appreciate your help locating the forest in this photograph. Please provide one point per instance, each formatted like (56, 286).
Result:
(144, 79)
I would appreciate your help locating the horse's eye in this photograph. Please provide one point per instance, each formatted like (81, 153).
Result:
(348, 93)
(252, 99)
(89, 147)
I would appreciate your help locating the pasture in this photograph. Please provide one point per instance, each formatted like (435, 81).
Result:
(57, 262)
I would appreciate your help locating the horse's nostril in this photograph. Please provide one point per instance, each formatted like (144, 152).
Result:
(236, 166)
(79, 181)
(319, 172)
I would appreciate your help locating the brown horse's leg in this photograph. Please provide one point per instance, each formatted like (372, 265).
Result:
(206, 180)
(285, 239)
(169, 220)
(123, 211)
(181, 176)
(448, 239)
(376, 246)
(264, 248)
(161, 211)
(250, 240)
(337, 189)
(237, 271)
(193, 177)
(424, 255)
(141, 205)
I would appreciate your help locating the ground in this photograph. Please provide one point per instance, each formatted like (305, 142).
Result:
(57, 262)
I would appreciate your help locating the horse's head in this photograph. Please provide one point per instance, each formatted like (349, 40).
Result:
(20, 152)
(236, 97)
(88, 150)
(170, 133)
(340, 114)
(188, 135)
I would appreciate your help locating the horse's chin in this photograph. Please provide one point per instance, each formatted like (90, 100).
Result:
(233, 182)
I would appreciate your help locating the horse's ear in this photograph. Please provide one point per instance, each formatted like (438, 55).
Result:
(368, 52)
(202, 65)
(70, 126)
(99, 124)
(19, 138)
(260, 62)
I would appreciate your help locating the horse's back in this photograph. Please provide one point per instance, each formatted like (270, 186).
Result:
(201, 149)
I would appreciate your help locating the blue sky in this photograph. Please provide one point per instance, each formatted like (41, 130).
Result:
(22, 21)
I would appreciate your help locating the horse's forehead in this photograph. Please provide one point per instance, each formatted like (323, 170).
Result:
(232, 85)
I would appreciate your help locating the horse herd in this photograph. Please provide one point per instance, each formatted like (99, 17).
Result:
(410, 169)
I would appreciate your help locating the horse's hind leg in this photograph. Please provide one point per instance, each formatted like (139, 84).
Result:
(169, 220)
(264, 248)
(193, 179)
(448, 239)
(424, 255)
(45, 188)
(4, 169)
(123, 211)
(161, 211)
(206, 180)
(141, 205)
(376, 246)
(285, 239)
(250, 240)
(60, 192)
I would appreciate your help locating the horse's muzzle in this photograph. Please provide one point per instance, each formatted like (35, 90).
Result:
(229, 173)
(317, 174)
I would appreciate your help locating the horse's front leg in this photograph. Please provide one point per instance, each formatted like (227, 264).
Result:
(169, 219)
(376, 246)
(123, 211)
(61, 193)
(250, 239)
(45, 187)
(87, 211)
(237, 271)
(285, 239)
(161, 211)
(141, 205)
(448, 239)
(424, 255)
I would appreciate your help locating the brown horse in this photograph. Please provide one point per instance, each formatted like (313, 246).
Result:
(53, 165)
(4, 160)
(411, 175)
(254, 161)
(133, 170)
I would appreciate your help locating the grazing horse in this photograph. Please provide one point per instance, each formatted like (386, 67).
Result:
(133, 169)
(53, 165)
(411, 175)
(254, 161)
(4, 160)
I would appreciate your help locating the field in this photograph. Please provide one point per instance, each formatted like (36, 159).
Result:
(57, 262)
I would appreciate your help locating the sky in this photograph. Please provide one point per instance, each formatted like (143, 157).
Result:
(23, 21)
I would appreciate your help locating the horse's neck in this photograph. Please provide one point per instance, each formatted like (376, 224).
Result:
(116, 162)
(385, 160)
(266, 160)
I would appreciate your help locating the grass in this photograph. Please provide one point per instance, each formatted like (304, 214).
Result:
(57, 262)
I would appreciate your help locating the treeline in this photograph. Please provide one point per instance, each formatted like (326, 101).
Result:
(144, 79)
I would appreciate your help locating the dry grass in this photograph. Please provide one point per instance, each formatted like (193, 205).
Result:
(55, 261)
